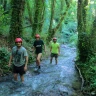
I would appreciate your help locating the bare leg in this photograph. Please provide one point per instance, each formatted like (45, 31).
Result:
(22, 78)
(15, 76)
(56, 61)
(51, 60)
(36, 62)
(38, 58)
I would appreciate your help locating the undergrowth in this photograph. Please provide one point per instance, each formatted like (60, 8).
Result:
(88, 71)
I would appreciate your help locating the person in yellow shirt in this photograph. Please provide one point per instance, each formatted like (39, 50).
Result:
(55, 50)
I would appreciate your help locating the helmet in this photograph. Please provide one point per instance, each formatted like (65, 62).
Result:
(37, 36)
(54, 38)
(18, 40)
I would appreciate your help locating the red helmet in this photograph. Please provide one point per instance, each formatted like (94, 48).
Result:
(54, 38)
(18, 40)
(37, 36)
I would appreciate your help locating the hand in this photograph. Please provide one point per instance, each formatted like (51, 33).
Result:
(9, 65)
(31, 51)
(25, 68)
(45, 51)
(59, 53)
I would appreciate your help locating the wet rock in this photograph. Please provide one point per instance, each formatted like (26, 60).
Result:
(75, 94)
(64, 93)
(76, 85)
(0, 79)
(93, 93)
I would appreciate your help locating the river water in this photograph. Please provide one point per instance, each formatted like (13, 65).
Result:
(53, 80)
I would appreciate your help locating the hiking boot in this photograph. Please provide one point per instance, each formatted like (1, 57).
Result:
(39, 67)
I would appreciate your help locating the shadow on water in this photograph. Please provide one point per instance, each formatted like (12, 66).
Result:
(52, 80)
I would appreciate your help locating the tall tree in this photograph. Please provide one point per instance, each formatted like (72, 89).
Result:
(29, 13)
(4, 3)
(62, 6)
(16, 19)
(83, 42)
(38, 16)
(52, 31)
(84, 13)
(93, 38)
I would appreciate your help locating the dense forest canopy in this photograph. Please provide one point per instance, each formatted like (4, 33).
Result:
(50, 17)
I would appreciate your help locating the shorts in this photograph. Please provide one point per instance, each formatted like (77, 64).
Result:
(54, 55)
(37, 53)
(19, 70)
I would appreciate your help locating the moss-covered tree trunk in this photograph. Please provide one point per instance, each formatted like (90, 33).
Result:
(52, 31)
(16, 20)
(38, 16)
(29, 13)
(84, 14)
(93, 38)
(83, 38)
(62, 6)
(3, 3)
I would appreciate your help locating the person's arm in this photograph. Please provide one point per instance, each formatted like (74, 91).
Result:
(58, 50)
(44, 48)
(10, 60)
(33, 49)
(26, 60)
(50, 48)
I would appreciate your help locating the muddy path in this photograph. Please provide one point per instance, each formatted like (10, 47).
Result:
(53, 80)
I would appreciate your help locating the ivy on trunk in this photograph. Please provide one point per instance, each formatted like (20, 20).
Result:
(16, 20)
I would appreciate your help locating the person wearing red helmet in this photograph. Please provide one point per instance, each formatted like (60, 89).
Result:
(55, 50)
(38, 46)
(37, 36)
(19, 56)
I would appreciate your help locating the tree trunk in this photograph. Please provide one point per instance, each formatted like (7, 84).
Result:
(84, 14)
(93, 38)
(5, 5)
(29, 12)
(83, 37)
(16, 20)
(53, 31)
(38, 17)
(62, 6)
(50, 31)
(63, 16)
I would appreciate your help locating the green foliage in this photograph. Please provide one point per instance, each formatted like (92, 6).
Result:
(73, 40)
(88, 71)
(84, 46)
(68, 33)
(28, 43)
(4, 58)
(4, 21)
(87, 48)
(72, 13)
